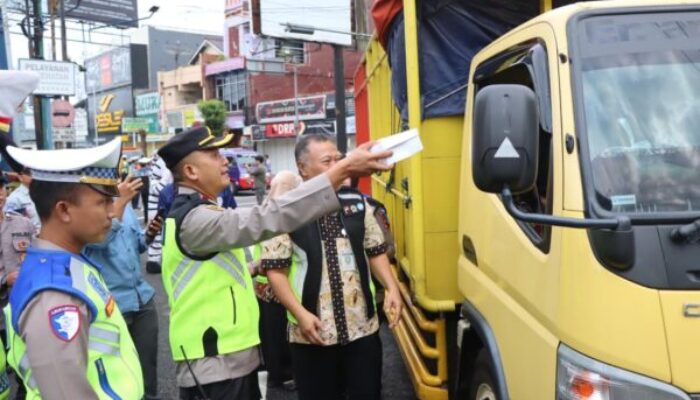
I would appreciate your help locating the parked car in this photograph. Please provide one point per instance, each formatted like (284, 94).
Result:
(239, 159)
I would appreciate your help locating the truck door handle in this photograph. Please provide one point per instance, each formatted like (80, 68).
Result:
(469, 250)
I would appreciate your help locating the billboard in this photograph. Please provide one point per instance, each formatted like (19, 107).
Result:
(122, 13)
(329, 23)
(108, 70)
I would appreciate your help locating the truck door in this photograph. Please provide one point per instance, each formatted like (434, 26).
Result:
(513, 278)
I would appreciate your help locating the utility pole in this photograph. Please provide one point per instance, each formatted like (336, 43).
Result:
(340, 128)
(37, 52)
(64, 39)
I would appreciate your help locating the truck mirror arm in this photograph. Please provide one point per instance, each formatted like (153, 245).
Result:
(620, 223)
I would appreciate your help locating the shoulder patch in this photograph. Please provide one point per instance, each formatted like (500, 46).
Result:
(65, 321)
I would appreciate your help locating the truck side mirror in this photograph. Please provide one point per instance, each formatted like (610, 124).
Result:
(505, 138)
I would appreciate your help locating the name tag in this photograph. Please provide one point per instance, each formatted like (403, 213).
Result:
(346, 258)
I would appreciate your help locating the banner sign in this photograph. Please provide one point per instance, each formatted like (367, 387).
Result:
(55, 78)
(147, 104)
(313, 107)
(135, 124)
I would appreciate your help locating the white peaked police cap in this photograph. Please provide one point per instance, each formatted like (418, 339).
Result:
(15, 87)
(97, 166)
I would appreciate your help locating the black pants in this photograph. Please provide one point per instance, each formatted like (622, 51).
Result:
(244, 388)
(145, 189)
(333, 372)
(143, 327)
(273, 341)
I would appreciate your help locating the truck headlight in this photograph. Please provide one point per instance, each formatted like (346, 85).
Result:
(583, 378)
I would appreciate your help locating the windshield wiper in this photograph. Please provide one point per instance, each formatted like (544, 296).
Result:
(686, 233)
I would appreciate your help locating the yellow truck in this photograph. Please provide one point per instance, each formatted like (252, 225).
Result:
(548, 235)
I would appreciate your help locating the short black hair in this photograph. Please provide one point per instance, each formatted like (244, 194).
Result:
(46, 195)
(302, 147)
(260, 158)
(178, 172)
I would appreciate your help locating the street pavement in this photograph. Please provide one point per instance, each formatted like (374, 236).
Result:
(395, 381)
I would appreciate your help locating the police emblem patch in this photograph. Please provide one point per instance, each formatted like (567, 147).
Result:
(65, 321)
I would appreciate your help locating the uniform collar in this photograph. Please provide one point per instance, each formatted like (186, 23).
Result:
(186, 190)
(42, 244)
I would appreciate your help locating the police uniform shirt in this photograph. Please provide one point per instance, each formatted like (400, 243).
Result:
(210, 229)
(19, 200)
(16, 234)
(57, 366)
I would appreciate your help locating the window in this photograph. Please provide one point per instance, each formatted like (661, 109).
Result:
(527, 65)
(291, 51)
(231, 88)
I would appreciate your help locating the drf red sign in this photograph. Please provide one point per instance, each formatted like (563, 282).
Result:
(282, 130)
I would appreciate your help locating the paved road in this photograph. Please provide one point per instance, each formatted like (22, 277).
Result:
(396, 384)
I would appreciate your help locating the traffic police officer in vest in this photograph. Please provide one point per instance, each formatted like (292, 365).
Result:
(68, 339)
(213, 309)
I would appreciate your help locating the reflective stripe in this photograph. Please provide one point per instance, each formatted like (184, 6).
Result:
(104, 334)
(24, 369)
(178, 271)
(221, 259)
(104, 348)
(349, 196)
(248, 255)
(23, 364)
(77, 275)
(186, 279)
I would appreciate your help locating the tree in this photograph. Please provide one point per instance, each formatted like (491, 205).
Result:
(214, 113)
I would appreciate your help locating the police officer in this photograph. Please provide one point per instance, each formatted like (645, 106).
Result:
(67, 337)
(214, 313)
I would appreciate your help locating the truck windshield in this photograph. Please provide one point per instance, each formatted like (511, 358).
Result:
(639, 82)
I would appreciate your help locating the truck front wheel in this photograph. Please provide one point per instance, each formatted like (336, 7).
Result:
(482, 386)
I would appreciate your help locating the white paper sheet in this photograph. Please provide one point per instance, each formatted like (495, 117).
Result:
(404, 145)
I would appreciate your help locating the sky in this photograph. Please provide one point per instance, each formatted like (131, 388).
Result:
(201, 16)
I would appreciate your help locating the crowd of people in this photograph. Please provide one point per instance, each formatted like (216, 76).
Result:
(289, 285)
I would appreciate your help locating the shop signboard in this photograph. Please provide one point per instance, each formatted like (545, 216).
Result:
(281, 130)
(147, 104)
(56, 78)
(258, 132)
(137, 124)
(308, 108)
(112, 107)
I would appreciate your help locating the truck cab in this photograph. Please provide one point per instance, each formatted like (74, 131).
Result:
(610, 91)
(548, 239)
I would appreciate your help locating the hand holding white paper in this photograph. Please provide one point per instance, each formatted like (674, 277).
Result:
(404, 145)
